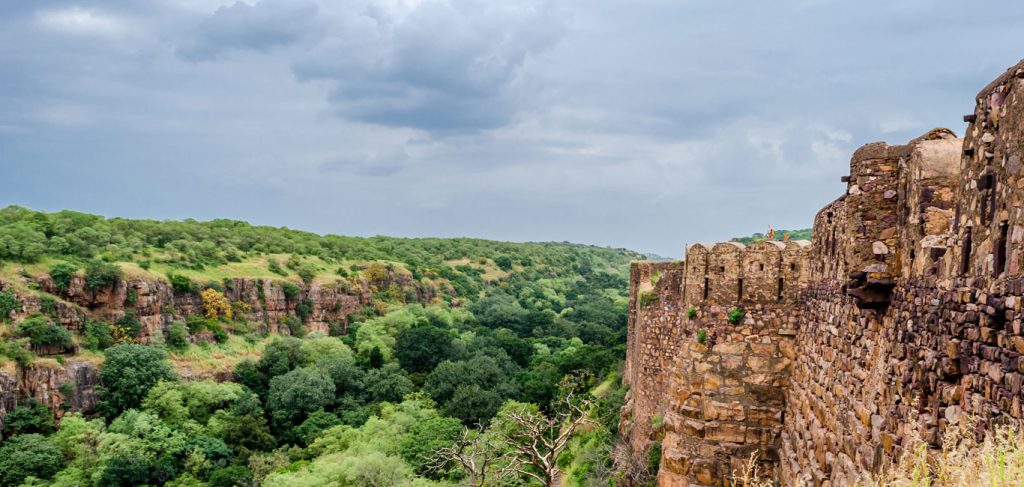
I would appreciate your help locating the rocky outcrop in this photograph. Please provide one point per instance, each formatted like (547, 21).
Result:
(63, 387)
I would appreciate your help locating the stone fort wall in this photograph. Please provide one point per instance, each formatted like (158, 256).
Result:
(901, 317)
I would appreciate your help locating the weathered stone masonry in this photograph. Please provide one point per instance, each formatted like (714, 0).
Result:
(902, 316)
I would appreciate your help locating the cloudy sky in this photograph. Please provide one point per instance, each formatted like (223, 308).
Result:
(642, 124)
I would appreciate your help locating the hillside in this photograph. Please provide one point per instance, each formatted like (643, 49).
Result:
(222, 353)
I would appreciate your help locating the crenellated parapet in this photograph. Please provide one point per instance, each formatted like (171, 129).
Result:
(822, 360)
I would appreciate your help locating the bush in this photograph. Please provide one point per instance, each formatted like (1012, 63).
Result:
(62, 273)
(702, 336)
(144, 264)
(215, 304)
(30, 455)
(275, 267)
(98, 335)
(219, 334)
(307, 272)
(177, 336)
(691, 313)
(8, 304)
(304, 310)
(290, 290)
(33, 417)
(99, 275)
(128, 372)
(736, 315)
(127, 327)
(40, 331)
(295, 326)
(182, 284)
(17, 351)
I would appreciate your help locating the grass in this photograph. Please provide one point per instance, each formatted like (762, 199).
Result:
(207, 360)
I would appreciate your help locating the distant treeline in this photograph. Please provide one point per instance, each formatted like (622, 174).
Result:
(804, 234)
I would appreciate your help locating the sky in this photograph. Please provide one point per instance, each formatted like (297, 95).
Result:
(642, 124)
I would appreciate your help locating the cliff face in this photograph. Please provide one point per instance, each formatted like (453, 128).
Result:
(64, 388)
(71, 386)
(904, 319)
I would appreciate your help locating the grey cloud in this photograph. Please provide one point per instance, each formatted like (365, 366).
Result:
(642, 124)
(442, 67)
(259, 27)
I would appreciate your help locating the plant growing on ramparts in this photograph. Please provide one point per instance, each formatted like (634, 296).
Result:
(691, 313)
(702, 336)
(736, 315)
(647, 298)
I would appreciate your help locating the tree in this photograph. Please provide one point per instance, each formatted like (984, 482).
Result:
(99, 275)
(33, 417)
(388, 383)
(426, 438)
(295, 395)
(233, 476)
(481, 457)
(28, 455)
(128, 372)
(536, 440)
(421, 348)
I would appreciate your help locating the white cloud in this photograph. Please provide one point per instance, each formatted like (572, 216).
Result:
(81, 21)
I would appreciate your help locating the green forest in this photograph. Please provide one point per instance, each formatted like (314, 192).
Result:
(509, 375)
(803, 234)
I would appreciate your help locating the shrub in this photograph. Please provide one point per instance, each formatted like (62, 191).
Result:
(144, 264)
(182, 284)
(177, 336)
(62, 273)
(40, 331)
(295, 326)
(99, 275)
(647, 298)
(196, 323)
(127, 327)
(275, 267)
(702, 336)
(307, 272)
(132, 297)
(33, 417)
(215, 304)
(8, 304)
(219, 334)
(736, 315)
(17, 351)
(691, 313)
(304, 310)
(290, 290)
(98, 335)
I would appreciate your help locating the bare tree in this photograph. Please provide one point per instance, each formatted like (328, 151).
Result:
(535, 439)
(482, 458)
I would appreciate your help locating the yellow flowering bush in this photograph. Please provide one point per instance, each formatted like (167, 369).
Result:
(215, 304)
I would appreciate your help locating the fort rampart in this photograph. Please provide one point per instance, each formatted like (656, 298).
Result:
(823, 359)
